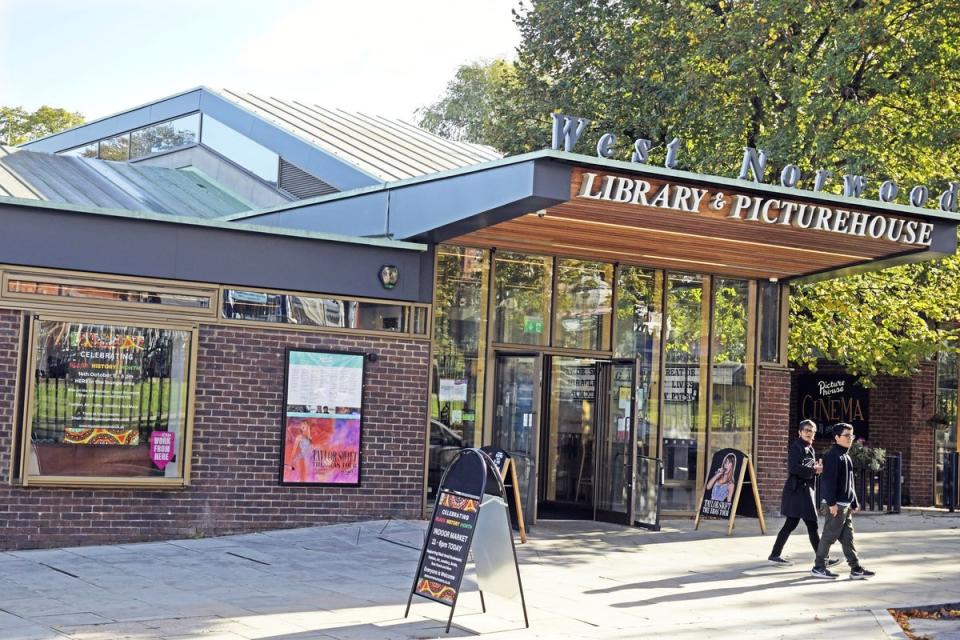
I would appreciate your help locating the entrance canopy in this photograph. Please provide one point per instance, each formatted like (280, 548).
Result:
(552, 202)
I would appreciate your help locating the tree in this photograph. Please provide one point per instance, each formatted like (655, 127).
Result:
(850, 86)
(17, 125)
(466, 110)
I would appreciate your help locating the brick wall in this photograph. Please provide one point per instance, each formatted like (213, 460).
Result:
(900, 409)
(236, 450)
(774, 434)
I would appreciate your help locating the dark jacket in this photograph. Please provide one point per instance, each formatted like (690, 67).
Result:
(836, 481)
(797, 501)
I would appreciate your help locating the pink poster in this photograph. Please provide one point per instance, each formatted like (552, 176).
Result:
(322, 450)
(161, 448)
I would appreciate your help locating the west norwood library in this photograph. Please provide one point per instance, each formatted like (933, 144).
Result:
(223, 312)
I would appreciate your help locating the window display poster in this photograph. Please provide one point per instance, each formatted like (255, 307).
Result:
(322, 418)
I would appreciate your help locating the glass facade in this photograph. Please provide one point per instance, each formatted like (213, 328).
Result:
(630, 365)
(460, 329)
(523, 285)
(945, 435)
(732, 379)
(140, 143)
(584, 299)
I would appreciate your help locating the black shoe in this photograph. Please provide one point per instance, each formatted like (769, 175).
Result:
(833, 562)
(783, 562)
(823, 572)
(859, 573)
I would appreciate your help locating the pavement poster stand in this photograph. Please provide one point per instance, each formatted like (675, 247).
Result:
(728, 473)
(470, 514)
(508, 474)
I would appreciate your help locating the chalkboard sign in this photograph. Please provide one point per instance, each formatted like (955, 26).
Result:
(829, 398)
(730, 471)
(447, 546)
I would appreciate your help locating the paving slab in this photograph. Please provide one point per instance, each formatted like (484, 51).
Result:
(582, 580)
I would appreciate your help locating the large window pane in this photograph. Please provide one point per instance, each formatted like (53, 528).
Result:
(770, 317)
(731, 419)
(460, 327)
(637, 335)
(108, 400)
(240, 149)
(87, 151)
(945, 435)
(166, 136)
(684, 406)
(523, 284)
(584, 298)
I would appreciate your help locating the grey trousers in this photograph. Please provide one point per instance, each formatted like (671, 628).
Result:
(838, 527)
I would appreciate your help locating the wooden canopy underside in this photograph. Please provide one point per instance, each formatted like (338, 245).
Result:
(704, 242)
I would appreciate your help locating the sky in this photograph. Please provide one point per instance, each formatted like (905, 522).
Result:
(379, 57)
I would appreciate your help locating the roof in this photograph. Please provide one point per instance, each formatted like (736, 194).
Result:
(112, 185)
(386, 148)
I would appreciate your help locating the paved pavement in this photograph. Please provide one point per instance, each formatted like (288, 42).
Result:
(582, 580)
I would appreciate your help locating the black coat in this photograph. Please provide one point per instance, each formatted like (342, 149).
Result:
(798, 501)
(837, 483)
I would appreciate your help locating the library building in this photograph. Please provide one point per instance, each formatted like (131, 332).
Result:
(223, 312)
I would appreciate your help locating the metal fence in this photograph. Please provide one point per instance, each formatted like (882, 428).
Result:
(951, 480)
(878, 491)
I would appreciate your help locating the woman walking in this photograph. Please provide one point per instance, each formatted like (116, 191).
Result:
(798, 502)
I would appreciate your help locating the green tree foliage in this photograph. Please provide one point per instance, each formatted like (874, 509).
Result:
(856, 86)
(467, 110)
(17, 125)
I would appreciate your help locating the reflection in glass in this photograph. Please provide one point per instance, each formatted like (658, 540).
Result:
(614, 438)
(114, 294)
(945, 435)
(101, 393)
(165, 136)
(731, 413)
(515, 421)
(460, 328)
(115, 148)
(313, 311)
(523, 284)
(571, 431)
(584, 298)
(637, 335)
(684, 407)
(240, 149)
(87, 151)
(770, 317)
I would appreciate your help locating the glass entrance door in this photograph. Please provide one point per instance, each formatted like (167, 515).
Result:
(614, 441)
(516, 422)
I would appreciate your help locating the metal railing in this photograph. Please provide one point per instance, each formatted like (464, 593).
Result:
(951, 480)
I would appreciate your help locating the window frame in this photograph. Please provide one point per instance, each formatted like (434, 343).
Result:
(24, 429)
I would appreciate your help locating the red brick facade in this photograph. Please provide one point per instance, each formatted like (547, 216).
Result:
(773, 434)
(900, 411)
(236, 449)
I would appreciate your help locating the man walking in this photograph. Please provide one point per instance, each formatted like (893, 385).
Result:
(837, 490)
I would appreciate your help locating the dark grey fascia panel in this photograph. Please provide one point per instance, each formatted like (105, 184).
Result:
(438, 210)
(363, 215)
(165, 109)
(943, 243)
(433, 210)
(63, 239)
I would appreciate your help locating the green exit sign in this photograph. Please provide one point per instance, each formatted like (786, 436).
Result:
(532, 325)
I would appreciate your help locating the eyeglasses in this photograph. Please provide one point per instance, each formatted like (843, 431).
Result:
(846, 435)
